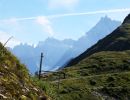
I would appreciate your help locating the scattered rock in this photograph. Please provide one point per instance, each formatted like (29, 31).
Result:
(4, 97)
(35, 89)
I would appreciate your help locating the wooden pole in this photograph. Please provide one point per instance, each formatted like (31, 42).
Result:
(40, 69)
(58, 88)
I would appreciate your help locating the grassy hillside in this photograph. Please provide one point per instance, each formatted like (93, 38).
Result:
(102, 76)
(118, 40)
(101, 73)
(15, 81)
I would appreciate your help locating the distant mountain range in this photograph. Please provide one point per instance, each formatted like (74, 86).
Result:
(104, 27)
(53, 49)
(57, 53)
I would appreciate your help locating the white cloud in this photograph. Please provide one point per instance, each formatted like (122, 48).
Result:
(10, 21)
(46, 25)
(62, 3)
(12, 25)
(5, 36)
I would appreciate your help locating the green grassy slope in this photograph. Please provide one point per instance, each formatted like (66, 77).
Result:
(104, 75)
(15, 81)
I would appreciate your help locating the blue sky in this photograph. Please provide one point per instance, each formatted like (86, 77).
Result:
(32, 21)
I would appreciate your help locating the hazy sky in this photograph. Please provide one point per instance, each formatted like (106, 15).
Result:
(32, 21)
